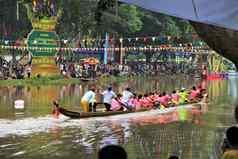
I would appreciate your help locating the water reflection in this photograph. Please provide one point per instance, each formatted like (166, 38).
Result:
(194, 133)
(179, 115)
(90, 134)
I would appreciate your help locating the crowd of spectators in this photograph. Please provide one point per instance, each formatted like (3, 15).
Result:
(78, 70)
(14, 71)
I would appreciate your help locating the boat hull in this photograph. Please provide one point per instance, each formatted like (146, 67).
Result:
(80, 115)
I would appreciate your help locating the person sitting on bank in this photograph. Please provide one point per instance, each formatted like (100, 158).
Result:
(108, 95)
(230, 145)
(88, 101)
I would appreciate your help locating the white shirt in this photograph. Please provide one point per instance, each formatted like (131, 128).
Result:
(61, 66)
(126, 95)
(107, 96)
(89, 96)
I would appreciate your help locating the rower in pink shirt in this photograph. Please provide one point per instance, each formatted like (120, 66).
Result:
(116, 104)
(194, 93)
(151, 98)
(165, 99)
(132, 102)
(149, 101)
(139, 102)
(145, 102)
(159, 98)
(175, 98)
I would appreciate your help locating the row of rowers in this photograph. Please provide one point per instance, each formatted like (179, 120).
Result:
(130, 101)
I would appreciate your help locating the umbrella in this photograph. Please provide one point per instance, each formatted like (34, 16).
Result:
(91, 61)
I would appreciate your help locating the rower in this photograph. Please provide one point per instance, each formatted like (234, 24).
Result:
(116, 103)
(165, 99)
(175, 98)
(108, 95)
(193, 94)
(126, 96)
(88, 101)
(137, 102)
(183, 96)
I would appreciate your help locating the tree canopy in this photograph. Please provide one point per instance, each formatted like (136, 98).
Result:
(80, 18)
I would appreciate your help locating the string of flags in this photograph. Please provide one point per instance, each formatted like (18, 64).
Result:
(53, 45)
(192, 49)
(146, 39)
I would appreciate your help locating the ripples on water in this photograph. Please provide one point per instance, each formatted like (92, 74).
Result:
(35, 134)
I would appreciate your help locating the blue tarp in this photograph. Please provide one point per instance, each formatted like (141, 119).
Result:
(223, 13)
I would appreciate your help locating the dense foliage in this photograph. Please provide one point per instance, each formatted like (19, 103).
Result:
(80, 18)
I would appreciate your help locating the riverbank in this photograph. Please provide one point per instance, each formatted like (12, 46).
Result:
(58, 80)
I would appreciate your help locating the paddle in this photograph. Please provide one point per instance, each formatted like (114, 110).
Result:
(125, 106)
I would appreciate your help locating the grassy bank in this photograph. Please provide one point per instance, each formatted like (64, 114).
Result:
(57, 80)
(39, 81)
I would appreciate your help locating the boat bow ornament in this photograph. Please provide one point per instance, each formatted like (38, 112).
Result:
(222, 13)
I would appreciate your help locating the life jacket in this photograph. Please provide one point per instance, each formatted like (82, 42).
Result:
(165, 100)
(115, 105)
(138, 104)
(132, 102)
(183, 97)
(193, 94)
(146, 103)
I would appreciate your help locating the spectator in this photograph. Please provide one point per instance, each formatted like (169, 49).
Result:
(230, 145)
(173, 157)
(28, 71)
(236, 113)
(112, 152)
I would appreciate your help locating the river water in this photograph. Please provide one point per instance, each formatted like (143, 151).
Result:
(195, 133)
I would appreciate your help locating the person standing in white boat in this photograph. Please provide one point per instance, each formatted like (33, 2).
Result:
(108, 95)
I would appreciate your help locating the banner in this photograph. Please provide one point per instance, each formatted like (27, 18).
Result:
(223, 13)
(43, 43)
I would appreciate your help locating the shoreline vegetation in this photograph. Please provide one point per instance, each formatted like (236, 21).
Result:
(58, 80)
(61, 80)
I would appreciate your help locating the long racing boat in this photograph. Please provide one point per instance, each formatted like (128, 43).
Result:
(80, 115)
